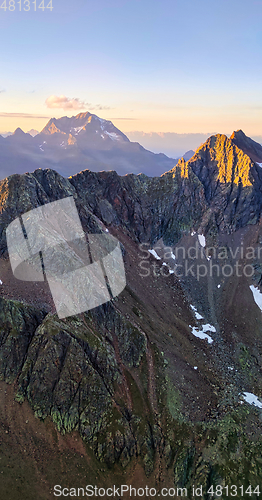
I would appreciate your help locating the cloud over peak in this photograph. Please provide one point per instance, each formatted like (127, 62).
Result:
(63, 102)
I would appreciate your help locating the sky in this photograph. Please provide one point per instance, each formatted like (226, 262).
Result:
(165, 67)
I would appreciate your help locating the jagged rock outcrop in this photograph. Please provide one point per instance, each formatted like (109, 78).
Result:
(232, 183)
(87, 385)
(18, 325)
(129, 376)
(219, 181)
(252, 148)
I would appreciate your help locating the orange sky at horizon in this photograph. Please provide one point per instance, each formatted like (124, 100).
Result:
(180, 121)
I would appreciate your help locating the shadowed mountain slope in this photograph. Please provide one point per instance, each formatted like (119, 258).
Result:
(248, 146)
(80, 142)
(150, 386)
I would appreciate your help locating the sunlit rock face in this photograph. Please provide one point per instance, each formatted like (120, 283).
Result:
(164, 381)
(247, 145)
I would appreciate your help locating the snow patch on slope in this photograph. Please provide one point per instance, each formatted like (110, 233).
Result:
(76, 130)
(202, 240)
(251, 399)
(201, 333)
(153, 252)
(112, 136)
(197, 315)
(257, 296)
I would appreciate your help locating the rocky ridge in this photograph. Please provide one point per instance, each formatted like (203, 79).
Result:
(250, 147)
(80, 142)
(129, 376)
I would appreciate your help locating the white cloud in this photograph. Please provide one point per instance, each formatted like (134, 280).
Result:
(63, 102)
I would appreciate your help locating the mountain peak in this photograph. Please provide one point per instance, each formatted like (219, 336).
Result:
(218, 159)
(18, 132)
(19, 136)
(86, 128)
(33, 132)
(82, 116)
(238, 134)
(252, 148)
(51, 128)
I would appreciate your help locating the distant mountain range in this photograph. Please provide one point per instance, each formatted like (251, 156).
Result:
(81, 142)
(87, 142)
(69, 145)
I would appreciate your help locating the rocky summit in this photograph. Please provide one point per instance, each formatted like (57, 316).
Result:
(162, 385)
(250, 147)
(69, 145)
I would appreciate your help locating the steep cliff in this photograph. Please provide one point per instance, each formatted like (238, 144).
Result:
(151, 399)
